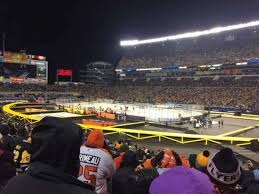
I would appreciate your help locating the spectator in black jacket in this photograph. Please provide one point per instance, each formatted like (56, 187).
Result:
(120, 181)
(249, 183)
(55, 161)
(7, 167)
(129, 181)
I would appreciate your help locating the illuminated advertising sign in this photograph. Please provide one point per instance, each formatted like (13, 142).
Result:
(64, 72)
(17, 80)
(42, 70)
(10, 57)
(37, 62)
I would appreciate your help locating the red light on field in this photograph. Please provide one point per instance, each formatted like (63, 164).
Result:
(64, 72)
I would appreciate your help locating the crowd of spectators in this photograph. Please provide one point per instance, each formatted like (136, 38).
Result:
(223, 95)
(59, 158)
(214, 49)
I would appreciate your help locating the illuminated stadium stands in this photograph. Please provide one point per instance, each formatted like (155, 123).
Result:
(223, 48)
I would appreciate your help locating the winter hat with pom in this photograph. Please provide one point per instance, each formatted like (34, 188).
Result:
(223, 168)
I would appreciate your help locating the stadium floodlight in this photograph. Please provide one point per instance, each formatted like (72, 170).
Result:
(217, 65)
(243, 63)
(148, 69)
(125, 43)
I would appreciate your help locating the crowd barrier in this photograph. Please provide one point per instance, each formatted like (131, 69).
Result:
(7, 109)
(143, 134)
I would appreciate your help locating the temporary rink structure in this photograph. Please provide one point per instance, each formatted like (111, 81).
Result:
(150, 112)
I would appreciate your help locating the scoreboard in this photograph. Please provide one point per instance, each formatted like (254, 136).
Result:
(23, 68)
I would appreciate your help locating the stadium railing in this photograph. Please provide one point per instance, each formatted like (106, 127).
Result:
(142, 134)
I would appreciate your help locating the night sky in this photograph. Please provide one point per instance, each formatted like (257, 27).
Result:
(76, 32)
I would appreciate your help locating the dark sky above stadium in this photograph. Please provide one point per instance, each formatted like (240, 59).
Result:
(80, 31)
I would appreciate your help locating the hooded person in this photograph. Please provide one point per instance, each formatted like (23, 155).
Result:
(96, 163)
(182, 180)
(224, 170)
(54, 163)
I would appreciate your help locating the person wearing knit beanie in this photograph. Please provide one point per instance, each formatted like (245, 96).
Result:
(202, 159)
(182, 180)
(223, 168)
(95, 139)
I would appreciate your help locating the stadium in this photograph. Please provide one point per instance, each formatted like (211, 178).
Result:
(170, 100)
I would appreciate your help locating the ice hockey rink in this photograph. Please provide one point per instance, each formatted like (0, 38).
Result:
(148, 111)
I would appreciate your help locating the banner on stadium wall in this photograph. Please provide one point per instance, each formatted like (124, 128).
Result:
(16, 80)
(35, 80)
(129, 69)
(171, 67)
(154, 74)
(250, 71)
(253, 62)
(10, 57)
(203, 72)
